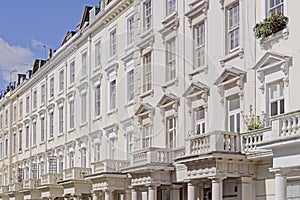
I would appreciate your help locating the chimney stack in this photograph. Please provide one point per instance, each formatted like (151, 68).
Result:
(49, 54)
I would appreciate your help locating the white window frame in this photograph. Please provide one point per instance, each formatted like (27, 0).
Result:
(98, 103)
(71, 159)
(27, 100)
(130, 30)
(276, 7)
(147, 136)
(6, 147)
(97, 151)
(72, 113)
(15, 143)
(147, 72)
(60, 164)
(235, 113)
(34, 99)
(42, 129)
(171, 7)
(112, 89)
(51, 87)
(199, 123)
(51, 124)
(113, 42)
(98, 54)
(130, 85)
(234, 30)
(148, 19)
(15, 113)
(61, 118)
(171, 59)
(72, 72)
(27, 136)
(20, 139)
(278, 99)
(129, 143)
(34, 125)
(61, 80)
(83, 111)
(84, 63)
(199, 42)
(43, 94)
(113, 148)
(171, 132)
(20, 109)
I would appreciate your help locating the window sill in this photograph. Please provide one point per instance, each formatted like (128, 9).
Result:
(34, 146)
(168, 18)
(27, 149)
(83, 125)
(130, 103)
(51, 98)
(60, 92)
(50, 139)
(71, 130)
(170, 83)
(60, 135)
(33, 110)
(198, 70)
(112, 58)
(274, 37)
(238, 52)
(99, 117)
(129, 46)
(112, 111)
(147, 93)
(71, 85)
(42, 105)
(97, 68)
(83, 78)
(43, 142)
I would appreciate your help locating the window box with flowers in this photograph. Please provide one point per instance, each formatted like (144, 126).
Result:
(271, 25)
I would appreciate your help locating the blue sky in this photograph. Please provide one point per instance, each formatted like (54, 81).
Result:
(25, 26)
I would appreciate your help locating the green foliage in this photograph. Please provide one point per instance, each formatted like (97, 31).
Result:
(253, 121)
(271, 25)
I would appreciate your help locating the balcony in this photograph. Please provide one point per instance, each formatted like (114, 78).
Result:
(216, 141)
(284, 128)
(109, 166)
(151, 155)
(50, 179)
(31, 183)
(3, 189)
(15, 187)
(76, 173)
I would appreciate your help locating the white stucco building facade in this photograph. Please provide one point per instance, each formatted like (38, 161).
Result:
(146, 100)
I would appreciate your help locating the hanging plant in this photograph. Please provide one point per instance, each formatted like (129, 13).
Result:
(271, 25)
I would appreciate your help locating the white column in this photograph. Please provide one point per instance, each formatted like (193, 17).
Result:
(190, 191)
(175, 192)
(280, 186)
(95, 197)
(217, 188)
(152, 193)
(133, 194)
(245, 193)
(107, 195)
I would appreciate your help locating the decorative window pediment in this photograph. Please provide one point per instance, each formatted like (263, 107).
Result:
(168, 101)
(197, 7)
(196, 91)
(231, 77)
(273, 62)
(145, 111)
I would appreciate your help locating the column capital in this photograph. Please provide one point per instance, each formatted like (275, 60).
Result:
(246, 179)
(217, 178)
(280, 171)
(152, 185)
(176, 186)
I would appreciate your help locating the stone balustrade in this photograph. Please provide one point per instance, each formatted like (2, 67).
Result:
(76, 173)
(50, 178)
(31, 183)
(109, 165)
(15, 187)
(151, 155)
(215, 141)
(3, 189)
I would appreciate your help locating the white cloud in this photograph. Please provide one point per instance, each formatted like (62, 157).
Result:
(36, 43)
(13, 57)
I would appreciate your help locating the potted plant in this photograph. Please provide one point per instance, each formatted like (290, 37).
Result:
(253, 121)
(271, 25)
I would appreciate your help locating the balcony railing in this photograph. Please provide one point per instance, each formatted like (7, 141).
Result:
(215, 141)
(15, 187)
(283, 127)
(47, 179)
(31, 183)
(151, 155)
(76, 173)
(109, 165)
(3, 189)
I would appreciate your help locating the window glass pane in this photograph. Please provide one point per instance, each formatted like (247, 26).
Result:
(282, 106)
(234, 104)
(274, 108)
(231, 123)
(238, 122)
